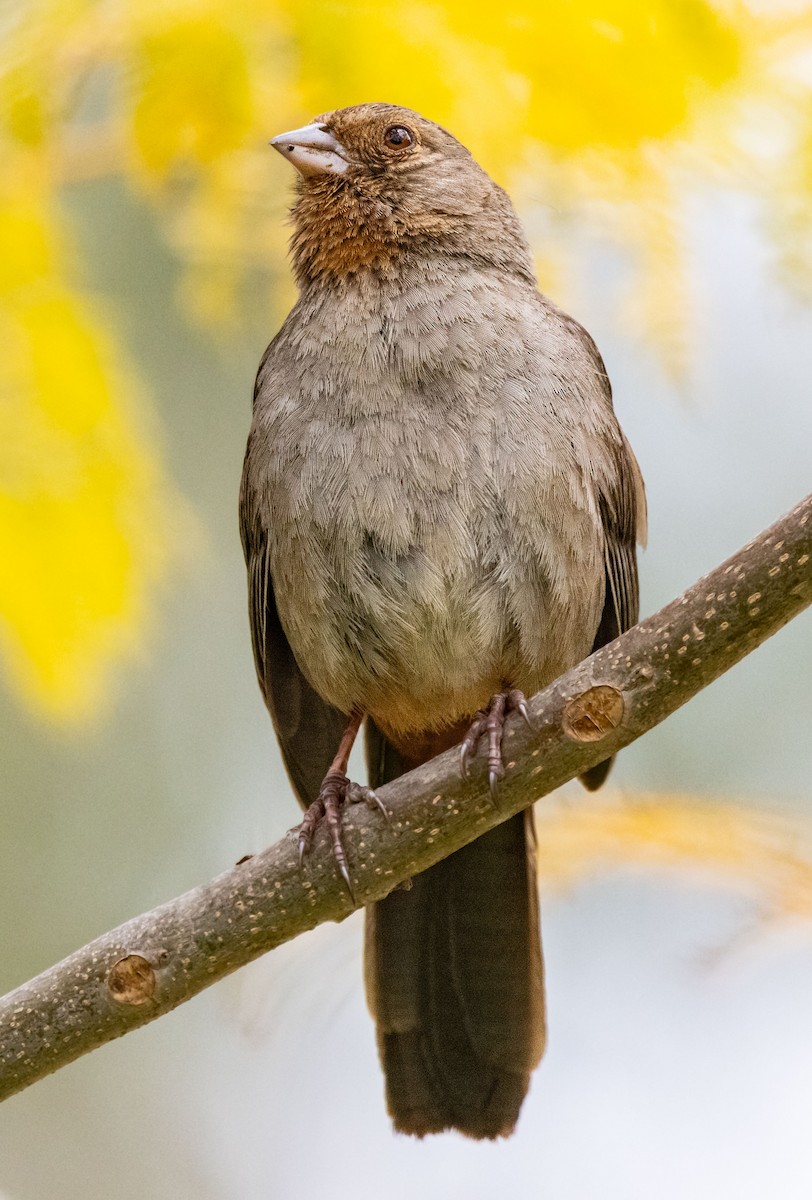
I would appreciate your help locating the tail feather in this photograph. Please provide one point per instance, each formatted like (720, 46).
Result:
(455, 980)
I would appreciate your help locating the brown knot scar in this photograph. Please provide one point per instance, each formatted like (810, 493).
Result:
(593, 714)
(131, 980)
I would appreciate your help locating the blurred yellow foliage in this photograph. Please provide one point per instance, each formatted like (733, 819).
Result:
(766, 854)
(607, 73)
(81, 494)
(597, 107)
(191, 91)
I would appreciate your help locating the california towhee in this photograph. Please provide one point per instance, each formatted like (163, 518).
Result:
(439, 514)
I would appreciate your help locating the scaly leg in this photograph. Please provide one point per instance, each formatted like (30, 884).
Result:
(336, 790)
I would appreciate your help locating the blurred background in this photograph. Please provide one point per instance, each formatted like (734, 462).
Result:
(661, 158)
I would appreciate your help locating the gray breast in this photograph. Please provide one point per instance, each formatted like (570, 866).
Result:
(426, 487)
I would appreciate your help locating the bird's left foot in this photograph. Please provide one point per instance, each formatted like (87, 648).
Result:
(491, 720)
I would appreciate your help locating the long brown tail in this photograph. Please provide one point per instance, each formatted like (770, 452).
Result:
(455, 979)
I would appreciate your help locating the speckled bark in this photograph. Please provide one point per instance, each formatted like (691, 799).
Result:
(156, 961)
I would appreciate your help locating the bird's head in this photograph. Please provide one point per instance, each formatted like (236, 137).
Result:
(380, 185)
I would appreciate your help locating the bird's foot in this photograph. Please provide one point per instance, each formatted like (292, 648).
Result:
(336, 791)
(491, 720)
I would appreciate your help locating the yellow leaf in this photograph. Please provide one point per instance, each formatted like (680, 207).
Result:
(84, 506)
(191, 95)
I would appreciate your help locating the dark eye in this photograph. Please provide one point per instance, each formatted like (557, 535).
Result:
(398, 137)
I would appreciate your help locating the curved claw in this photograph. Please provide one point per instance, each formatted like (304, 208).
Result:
(345, 875)
(521, 708)
(493, 785)
(387, 816)
(310, 822)
(358, 793)
(470, 740)
(464, 760)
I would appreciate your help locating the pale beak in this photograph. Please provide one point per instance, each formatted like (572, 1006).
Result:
(312, 150)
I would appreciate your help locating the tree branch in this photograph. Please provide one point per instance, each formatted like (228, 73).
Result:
(158, 960)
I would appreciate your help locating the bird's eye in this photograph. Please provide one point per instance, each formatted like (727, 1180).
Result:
(398, 137)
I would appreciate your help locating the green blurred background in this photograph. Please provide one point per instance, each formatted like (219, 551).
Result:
(661, 157)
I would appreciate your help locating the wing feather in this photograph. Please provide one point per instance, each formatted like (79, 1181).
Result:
(621, 500)
(307, 727)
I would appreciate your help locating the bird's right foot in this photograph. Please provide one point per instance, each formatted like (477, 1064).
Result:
(336, 791)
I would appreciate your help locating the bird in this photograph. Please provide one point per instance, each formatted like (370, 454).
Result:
(439, 513)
